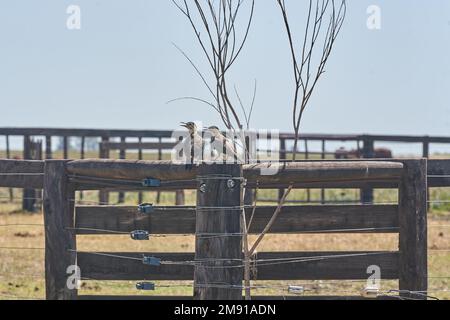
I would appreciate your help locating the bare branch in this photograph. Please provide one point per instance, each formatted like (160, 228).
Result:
(305, 81)
(305, 78)
(215, 24)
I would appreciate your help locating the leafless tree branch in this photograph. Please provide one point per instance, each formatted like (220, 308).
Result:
(215, 24)
(306, 75)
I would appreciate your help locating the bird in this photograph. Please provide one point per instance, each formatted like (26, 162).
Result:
(225, 146)
(195, 142)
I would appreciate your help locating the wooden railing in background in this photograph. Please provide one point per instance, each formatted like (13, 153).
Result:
(106, 147)
(363, 142)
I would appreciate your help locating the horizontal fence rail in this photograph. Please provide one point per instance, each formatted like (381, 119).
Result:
(73, 132)
(137, 145)
(340, 265)
(20, 173)
(282, 172)
(364, 144)
(257, 298)
(217, 222)
(293, 219)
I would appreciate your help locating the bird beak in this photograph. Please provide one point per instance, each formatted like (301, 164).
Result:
(183, 124)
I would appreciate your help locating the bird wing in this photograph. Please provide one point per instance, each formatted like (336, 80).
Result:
(232, 151)
(230, 147)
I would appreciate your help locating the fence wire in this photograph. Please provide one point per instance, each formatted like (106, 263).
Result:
(259, 262)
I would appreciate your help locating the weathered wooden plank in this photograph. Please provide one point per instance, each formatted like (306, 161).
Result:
(368, 152)
(140, 157)
(437, 167)
(21, 166)
(59, 240)
(332, 265)
(132, 169)
(413, 228)
(133, 297)
(292, 219)
(48, 148)
(22, 181)
(216, 192)
(32, 151)
(353, 137)
(82, 147)
(88, 184)
(30, 174)
(8, 156)
(343, 265)
(104, 267)
(103, 196)
(311, 172)
(317, 171)
(74, 132)
(7, 145)
(122, 155)
(140, 146)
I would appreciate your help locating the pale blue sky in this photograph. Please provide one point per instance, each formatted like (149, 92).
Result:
(119, 70)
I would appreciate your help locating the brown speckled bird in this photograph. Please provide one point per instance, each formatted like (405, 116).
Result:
(194, 143)
(227, 148)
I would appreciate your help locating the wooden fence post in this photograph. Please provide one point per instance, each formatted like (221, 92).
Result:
(58, 217)
(413, 228)
(122, 155)
(103, 196)
(31, 151)
(368, 152)
(250, 151)
(27, 194)
(179, 198)
(140, 157)
(82, 156)
(283, 156)
(8, 156)
(48, 147)
(308, 191)
(212, 282)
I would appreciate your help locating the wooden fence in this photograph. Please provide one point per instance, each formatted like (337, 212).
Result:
(365, 143)
(217, 225)
(31, 197)
(106, 147)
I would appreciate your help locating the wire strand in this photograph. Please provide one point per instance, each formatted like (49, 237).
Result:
(20, 248)
(21, 225)
(21, 174)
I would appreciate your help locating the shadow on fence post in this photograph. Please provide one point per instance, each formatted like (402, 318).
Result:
(58, 216)
(215, 191)
(413, 275)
